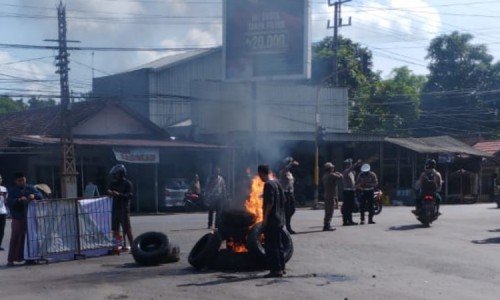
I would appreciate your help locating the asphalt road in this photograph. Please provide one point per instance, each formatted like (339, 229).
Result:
(457, 258)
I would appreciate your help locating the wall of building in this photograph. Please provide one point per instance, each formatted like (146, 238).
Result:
(131, 88)
(170, 87)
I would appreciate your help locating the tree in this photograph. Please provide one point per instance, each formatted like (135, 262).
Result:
(7, 105)
(35, 102)
(354, 72)
(394, 107)
(453, 99)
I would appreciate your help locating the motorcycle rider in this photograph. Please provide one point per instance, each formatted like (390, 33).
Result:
(429, 182)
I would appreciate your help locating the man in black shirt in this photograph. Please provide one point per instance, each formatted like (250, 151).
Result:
(121, 190)
(273, 222)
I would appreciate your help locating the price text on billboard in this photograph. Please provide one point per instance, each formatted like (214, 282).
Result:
(266, 39)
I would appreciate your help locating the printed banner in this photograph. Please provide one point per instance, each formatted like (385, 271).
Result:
(137, 155)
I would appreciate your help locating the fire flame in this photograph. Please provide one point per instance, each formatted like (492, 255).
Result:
(253, 205)
(254, 202)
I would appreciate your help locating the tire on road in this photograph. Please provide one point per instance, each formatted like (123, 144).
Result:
(150, 248)
(205, 250)
(255, 243)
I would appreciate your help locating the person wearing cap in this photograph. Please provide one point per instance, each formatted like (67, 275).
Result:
(216, 197)
(329, 180)
(366, 183)
(287, 181)
(348, 183)
(19, 197)
(3, 211)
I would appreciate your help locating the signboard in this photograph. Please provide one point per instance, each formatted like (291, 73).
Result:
(266, 39)
(137, 155)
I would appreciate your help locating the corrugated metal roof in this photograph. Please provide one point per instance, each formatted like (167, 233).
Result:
(436, 144)
(43, 140)
(490, 147)
(171, 60)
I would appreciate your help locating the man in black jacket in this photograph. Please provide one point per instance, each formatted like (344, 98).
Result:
(273, 222)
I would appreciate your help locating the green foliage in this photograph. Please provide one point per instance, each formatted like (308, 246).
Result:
(458, 97)
(35, 102)
(8, 105)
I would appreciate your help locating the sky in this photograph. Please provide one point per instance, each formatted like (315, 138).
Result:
(398, 33)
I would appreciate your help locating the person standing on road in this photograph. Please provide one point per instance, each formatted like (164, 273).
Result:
(366, 183)
(3, 211)
(330, 181)
(121, 190)
(19, 197)
(287, 181)
(273, 222)
(215, 195)
(348, 183)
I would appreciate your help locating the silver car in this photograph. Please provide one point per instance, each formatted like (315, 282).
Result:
(175, 192)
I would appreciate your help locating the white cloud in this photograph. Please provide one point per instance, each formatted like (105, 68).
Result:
(382, 20)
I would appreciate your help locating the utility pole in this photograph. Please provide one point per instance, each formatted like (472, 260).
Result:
(68, 163)
(337, 23)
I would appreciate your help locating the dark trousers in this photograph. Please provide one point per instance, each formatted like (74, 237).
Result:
(16, 246)
(2, 227)
(274, 248)
(289, 209)
(347, 206)
(215, 207)
(366, 201)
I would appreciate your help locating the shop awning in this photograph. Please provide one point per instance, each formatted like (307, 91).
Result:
(41, 140)
(436, 144)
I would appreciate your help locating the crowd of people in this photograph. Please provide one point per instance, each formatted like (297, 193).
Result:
(357, 181)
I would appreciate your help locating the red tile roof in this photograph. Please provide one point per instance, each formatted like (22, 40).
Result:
(490, 147)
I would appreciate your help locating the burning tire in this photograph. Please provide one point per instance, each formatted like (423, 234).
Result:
(205, 250)
(150, 248)
(229, 260)
(256, 247)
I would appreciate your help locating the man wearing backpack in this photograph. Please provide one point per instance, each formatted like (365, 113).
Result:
(429, 182)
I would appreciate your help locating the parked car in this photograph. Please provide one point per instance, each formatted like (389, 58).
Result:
(175, 191)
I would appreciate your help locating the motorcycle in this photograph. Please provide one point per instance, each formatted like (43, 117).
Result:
(194, 202)
(429, 211)
(377, 202)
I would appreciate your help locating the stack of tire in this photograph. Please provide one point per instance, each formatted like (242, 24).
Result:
(206, 253)
(154, 248)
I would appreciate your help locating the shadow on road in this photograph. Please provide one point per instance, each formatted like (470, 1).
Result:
(495, 240)
(494, 230)
(306, 232)
(406, 227)
(324, 279)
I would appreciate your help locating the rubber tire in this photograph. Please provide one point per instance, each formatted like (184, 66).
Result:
(174, 253)
(205, 250)
(150, 248)
(377, 207)
(238, 261)
(256, 248)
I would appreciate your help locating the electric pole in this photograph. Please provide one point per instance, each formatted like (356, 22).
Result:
(68, 163)
(337, 23)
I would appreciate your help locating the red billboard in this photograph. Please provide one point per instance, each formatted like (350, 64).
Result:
(266, 39)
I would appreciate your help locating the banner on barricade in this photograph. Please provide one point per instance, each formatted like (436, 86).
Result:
(67, 227)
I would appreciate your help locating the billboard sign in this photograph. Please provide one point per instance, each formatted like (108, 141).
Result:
(266, 39)
(137, 155)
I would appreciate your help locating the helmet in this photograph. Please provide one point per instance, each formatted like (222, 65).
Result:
(348, 161)
(118, 168)
(430, 164)
(287, 160)
(365, 168)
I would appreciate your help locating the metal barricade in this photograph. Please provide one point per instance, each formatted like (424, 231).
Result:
(61, 229)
